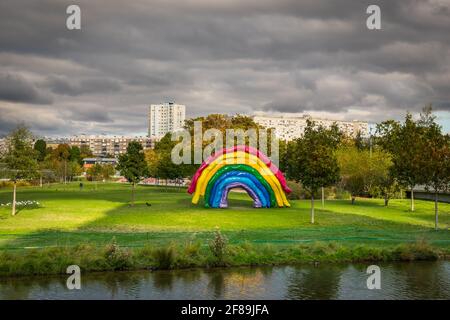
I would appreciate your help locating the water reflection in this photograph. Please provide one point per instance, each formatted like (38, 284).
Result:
(314, 282)
(418, 280)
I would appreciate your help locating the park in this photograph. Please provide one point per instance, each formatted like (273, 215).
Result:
(71, 225)
(331, 199)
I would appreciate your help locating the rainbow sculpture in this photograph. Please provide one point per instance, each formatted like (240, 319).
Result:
(239, 167)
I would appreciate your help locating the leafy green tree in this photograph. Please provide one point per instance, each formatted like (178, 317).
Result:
(95, 172)
(164, 167)
(152, 158)
(62, 154)
(353, 164)
(132, 165)
(20, 159)
(75, 154)
(437, 158)
(405, 142)
(313, 161)
(383, 183)
(108, 171)
(41, 148)
(85, 152)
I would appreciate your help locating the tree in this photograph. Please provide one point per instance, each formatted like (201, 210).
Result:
(95, 172)
(384, 183)
(75, 154)
(353, 164)
(152, 158)
(313, 161)
(437, 158)
(41, 148)
(20, 158)
(107, 171)
(405, 142)
(85, 152)
(132, 165)
(62, 155)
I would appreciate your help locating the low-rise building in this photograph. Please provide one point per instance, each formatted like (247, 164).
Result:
(102, 146)
(89, 162)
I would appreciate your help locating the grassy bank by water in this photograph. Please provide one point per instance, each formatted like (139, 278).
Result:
(73, 226)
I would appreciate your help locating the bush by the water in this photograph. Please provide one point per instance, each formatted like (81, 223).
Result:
(116, 257)
(164, 257)
(113, 257)
(218, 245)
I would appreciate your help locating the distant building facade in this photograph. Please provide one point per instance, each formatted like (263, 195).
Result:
(102, 146)
(3, 146)
(164, 118)
(289, 127)
(89, 162)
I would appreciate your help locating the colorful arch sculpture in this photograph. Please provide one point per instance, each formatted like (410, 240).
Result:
(239, 167)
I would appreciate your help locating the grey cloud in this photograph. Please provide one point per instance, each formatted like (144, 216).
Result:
(64, 86)
(225, 56)
(16, 88)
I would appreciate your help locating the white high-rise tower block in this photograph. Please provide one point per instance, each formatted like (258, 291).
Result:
(164, 118)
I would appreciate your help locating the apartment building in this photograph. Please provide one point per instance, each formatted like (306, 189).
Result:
(289, 127)
(109, 145)
(164, 118)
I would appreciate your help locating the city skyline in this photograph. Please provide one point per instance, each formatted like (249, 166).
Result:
(308, 57)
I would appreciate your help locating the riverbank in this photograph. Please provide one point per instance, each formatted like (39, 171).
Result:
(112, 257)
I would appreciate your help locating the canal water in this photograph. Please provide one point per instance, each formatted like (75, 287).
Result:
(415, 280)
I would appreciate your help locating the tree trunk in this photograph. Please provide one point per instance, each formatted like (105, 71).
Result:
(312, 207)
(353, 199)
(323, 197)
(386, 201)
(13, 212)
(132, 194)
(436, 210)
(412, 199)
(40, 181)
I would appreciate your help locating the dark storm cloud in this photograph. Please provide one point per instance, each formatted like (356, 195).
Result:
(16, 88)
(220, 56)
(65, 86)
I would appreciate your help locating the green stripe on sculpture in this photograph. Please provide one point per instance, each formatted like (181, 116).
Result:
(239, 167)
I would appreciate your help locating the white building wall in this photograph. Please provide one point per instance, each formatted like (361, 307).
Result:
(164, 118)
(291, 127)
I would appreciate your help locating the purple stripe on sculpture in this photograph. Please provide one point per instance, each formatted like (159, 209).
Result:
(224, 198)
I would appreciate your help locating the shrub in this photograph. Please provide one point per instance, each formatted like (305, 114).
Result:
(117, 258)
(165, 257)
(218, 245)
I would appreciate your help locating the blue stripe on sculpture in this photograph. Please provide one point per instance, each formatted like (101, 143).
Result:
(243, 177)
(265, 198)
(235, 173)
(224, 198)
(255, 192)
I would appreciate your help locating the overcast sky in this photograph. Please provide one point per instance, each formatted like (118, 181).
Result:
(219, 56)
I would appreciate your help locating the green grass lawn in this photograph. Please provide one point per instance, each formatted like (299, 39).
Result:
(69, 216)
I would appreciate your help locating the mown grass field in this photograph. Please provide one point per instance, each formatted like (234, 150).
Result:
(69, 216)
